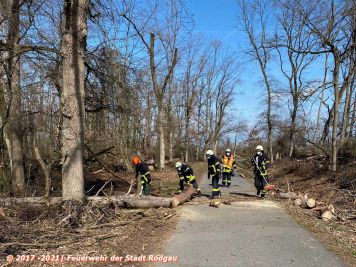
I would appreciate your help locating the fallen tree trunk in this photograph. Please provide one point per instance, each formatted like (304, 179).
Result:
(121, 201)
(185, 196)
(143, 202)
(289, 195)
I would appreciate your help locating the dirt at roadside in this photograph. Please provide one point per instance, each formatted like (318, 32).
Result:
(338, 189)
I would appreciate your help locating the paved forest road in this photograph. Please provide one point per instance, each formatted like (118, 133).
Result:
(250, 232)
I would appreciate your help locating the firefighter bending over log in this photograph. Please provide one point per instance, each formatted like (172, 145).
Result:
(143, 171)
(186, 175)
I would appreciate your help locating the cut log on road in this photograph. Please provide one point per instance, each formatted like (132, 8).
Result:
(147, 202)
(185, 196)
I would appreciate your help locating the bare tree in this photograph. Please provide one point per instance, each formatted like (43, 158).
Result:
(12, 119)
(292, 37)
(328, 24)
(72, 98)
(254, 17)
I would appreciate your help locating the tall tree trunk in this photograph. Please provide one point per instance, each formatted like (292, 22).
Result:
(336, 110)
(160, 122)
(353, 120)
(269, 107)
(72, 98)
(159, 92)
(318, 117)
(187, 137)
(148, 118)
(345, 116)
(13, 123)
(321, 98)
(170, 146)
(293, 123)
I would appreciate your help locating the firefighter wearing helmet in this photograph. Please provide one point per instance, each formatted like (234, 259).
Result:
(143, 171)
(186, 175)
(261, 163)
(214, 169)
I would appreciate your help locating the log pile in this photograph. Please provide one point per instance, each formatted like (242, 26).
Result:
(322, 210)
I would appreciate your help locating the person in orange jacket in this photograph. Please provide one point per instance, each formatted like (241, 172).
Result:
(142, 169)
(229, 164)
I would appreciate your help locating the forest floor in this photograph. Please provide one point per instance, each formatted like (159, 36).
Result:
(339, 189)
(60, 234)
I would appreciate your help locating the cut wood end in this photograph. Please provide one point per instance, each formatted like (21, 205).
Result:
(214, 203)
(327, 215)
(298, 202)
(311, 203)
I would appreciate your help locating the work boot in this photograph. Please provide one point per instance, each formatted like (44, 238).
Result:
(258, 192)
(263, 193)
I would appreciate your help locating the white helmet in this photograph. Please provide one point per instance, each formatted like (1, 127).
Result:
(209, 152)
(178, 165)
(259, 147)
(228, 150)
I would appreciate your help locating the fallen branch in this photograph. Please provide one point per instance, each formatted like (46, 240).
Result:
(105, 167)
(101, 188)
(99, 153)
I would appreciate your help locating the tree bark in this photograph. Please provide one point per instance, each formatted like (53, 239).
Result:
(72, 98)
(321, 98)
(353, 120)
(12, 119)
(336, 109)
(45, 168)
(133, 202)
(159, 92)
(269, 107)
(293, 123)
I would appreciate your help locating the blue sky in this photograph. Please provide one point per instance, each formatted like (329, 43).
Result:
(216, 19)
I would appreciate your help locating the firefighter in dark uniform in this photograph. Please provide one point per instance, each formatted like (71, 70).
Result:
(186, 175)
(261, 163)
(229, 164)
(214, 169)
(143, 171)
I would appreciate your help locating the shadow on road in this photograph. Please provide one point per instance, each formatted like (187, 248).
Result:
(243, 194)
